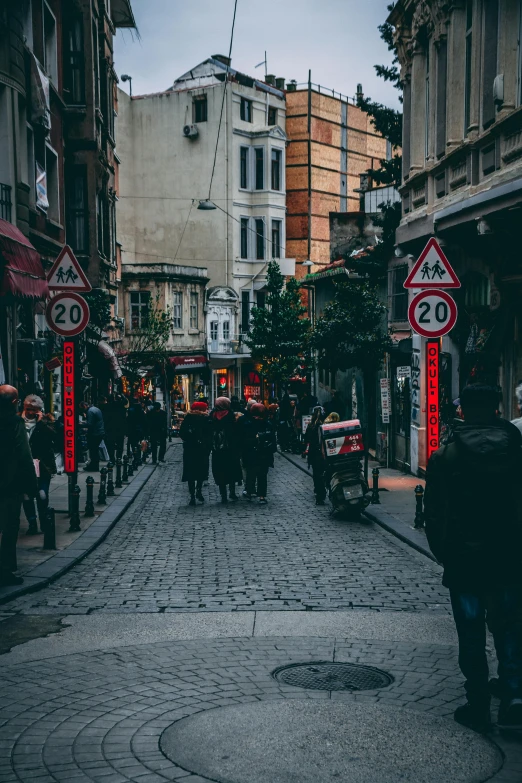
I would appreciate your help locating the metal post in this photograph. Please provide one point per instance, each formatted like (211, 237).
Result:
(125, 474)
(49, 541)
(118, 483)
(375, 488)
(74, 525)
(102, 496)
(110, 481)
(419, 513)
(89, 502)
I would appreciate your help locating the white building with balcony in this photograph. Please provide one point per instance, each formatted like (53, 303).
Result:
(168, 142)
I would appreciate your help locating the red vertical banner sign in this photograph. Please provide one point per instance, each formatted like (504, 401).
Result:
(69, 406)
(432, 393)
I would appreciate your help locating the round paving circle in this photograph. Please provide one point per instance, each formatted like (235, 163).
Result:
(328, 741)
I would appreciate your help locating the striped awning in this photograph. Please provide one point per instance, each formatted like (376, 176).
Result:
(21, 270)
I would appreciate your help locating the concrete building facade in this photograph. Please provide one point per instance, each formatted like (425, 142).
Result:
(462, 182)
(220, 135)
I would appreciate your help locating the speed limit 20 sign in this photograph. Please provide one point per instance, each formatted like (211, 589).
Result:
(432, 313)
(67, 314)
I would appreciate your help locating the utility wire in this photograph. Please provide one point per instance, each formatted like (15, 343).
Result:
(224, 95)
(183, 232)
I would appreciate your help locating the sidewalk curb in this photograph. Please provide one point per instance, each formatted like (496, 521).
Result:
(43, 574)
(410, 536)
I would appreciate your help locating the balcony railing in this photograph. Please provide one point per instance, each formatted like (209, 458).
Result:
(5, 202)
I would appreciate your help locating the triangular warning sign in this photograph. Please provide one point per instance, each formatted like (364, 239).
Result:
(432, 270)
(66, 273)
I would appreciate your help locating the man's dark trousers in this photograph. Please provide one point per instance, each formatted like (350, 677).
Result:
(257, 474)
(161, 443)
(10, 509)
(502, 607)
(93, 444)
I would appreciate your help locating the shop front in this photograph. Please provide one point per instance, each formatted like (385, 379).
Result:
(188, 380)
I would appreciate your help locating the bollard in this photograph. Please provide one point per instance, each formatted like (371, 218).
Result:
(118, 483)
(130, 470)
(419, 513)
(375, 489)
(110, 481)
(125, 474)
(49, 541)
(102, 494)
(74, 524)
(89, 501)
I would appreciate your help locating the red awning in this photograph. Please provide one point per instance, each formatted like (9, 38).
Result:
(21, 270)
(189, 362)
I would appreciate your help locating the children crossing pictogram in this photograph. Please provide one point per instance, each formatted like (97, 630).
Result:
(66, 273)
(432, 269)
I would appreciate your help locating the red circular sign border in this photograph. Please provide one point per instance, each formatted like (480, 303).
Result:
(423, 295)
(83, 304)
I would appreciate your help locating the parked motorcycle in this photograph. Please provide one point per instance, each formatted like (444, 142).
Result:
(343, 450)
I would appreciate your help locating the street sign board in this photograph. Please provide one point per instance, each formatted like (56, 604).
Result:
(432, 313)
(432, 269)
(67, 314)
(66, 274)
(385, 400)
(69, 406)
(432, 396)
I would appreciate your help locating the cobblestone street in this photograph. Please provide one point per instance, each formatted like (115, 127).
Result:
(183, 610)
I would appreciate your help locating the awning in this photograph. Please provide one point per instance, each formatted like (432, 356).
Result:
(21, 270)
(107, 351)
(189, 362)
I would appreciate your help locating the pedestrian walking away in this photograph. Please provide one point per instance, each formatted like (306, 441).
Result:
(115, 425)
(41, 436)
(314, 454)
(258, 444)
(95, 434)
(226, 463)
(17, 478)
(157, 428)
(196, 434)
(136, 425)
(473, 513)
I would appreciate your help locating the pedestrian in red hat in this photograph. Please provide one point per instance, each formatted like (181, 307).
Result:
(196, 434)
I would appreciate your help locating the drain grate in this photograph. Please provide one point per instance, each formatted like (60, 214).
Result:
(332, 676)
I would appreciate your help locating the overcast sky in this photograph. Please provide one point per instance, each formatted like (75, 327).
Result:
(337, 39)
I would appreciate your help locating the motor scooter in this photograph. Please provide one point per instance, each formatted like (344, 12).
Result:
(343, 450)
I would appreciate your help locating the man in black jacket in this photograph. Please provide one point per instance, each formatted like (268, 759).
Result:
(473, 510)
(17, 478)
(157, 427)
(41, 438)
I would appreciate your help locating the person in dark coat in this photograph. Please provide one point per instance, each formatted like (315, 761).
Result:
(258, 445)
(95, 434)
(17, 478)
(226, 464)
(115, 421)
(473, 512)
(136, 426)
(157, 429)
(336, 405)
(40, 434)
(314, 454)
(196, 434)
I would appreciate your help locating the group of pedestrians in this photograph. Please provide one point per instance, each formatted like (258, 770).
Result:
(240, 447)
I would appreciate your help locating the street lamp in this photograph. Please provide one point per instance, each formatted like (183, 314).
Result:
(205, 203)
(126, 78)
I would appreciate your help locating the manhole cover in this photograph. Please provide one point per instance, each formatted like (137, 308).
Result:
(333, 676)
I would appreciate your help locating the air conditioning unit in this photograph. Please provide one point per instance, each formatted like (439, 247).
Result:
(191, 131)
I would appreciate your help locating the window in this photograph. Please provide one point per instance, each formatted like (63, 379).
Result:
(139, 306)
(276, 239)
(272, 115)
(103, 224)
(467, 77)
(214, 330)
(96, 63)
(244, 237)
(31, 170)
(243, 167)
(260, 168)
(440, 122)
(112, 219)
(245, 312)
(476, 290)
(261, 299)
(177, 310)
(427, 123)
(276, 169)
(260, 238)
(74, 70)
(50, 50)
(245, 111)
(77, 212)
(489, 109)
(200, 107)
(226, 330)
(194, 307)
(53, 194)
(399, 295)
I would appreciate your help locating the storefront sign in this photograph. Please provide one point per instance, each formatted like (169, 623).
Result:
(69, 406)
(403, 372)
(385, 400)
(432, 393)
